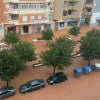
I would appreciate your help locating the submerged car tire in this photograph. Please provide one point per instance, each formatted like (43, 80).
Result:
(65, 80)
(53, 83)
(41, 88)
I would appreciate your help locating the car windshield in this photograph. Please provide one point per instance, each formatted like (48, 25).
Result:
(28, 84)
(53, 77)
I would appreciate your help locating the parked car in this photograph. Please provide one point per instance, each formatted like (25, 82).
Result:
(68, 37)
(57, 78)
(32, 86)
(6, 92)
(76, 55)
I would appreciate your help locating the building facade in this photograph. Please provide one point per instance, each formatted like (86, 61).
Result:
(33, 16)
(87, 12)
(26, 16)
(95, 19)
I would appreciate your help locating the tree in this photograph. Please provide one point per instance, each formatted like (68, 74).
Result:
(47, 35)
(25, 50)
(10, 65)
(93, 33)
(90, 48)
(59, 55)
(12, 37)
(75, 31)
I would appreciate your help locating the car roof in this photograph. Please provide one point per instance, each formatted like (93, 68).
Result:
(59, 74)
(6, 88)
(36, 81)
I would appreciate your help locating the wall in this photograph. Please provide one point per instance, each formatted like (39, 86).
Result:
(95, 16)
(2, 31)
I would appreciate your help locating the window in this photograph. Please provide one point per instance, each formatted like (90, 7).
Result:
(7, 5)
(39, 17)
(13, 17)
(8, 17)
(62, 24)
(35, 85)
(32, 17)
(4, 93)
(24, 18)
(47, 16)
(0, 27)
(32, 6)
(23, 6)
(50, 16)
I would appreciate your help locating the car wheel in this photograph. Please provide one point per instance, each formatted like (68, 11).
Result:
(65, 79)
(53, 83)
(41, 88)
(26, 92)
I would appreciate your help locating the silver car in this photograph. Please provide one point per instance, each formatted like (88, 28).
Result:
(6, 92)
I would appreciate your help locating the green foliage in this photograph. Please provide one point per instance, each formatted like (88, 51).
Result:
(90, 48)
(25, 50)
(47, 34)
(93, 33)
(11, 38)
(75, 31)
(59, 55)
(10, 65)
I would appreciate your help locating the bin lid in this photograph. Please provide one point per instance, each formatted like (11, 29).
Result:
(78, 70)
(97, 64)
(87, 68)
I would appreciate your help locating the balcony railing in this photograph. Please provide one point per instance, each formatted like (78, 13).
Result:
(72, 8)
(89, 5)
(65, 8)
(72, 16)
(64, 17)
(88, 13)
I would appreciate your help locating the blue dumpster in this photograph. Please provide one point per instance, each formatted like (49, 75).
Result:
(77, 72)
(86, 70)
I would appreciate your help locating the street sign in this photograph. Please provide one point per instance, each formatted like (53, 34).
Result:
(67, 20)
(80, 19)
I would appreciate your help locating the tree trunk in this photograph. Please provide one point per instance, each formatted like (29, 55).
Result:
(46, 42)
(7, 83)
(74, 38)
(89, 62)
(54, 71)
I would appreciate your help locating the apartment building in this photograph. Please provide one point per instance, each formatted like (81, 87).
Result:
(95, 19)
(33, 16)
(87, 12)
(68, 13)
(72, 12)
(26, 16)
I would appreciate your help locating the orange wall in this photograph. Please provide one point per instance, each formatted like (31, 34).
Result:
(29, 17)
(1, 11)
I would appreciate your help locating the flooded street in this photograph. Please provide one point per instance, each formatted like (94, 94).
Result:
(84, 88)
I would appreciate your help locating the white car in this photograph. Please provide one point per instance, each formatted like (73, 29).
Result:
(37, 40)
(76, 55)
(68, 37)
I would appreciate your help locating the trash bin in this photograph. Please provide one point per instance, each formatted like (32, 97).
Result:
(77, 72)
(86, 70)
(96, 67)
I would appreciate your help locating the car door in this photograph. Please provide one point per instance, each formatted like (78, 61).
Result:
(62, 78)
(5, 94)
(57, 80)
(35, 87)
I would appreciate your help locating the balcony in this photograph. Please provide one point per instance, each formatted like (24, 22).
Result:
(14, 21)
(72, 8)
(13, 0)
(66, 0)
(64, 17)
(89, 5)
(73, 0)
(65, 8)
(72, 16)
(14, 11)
(88, 13)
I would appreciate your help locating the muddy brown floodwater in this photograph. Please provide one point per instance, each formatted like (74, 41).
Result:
(84, 88)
